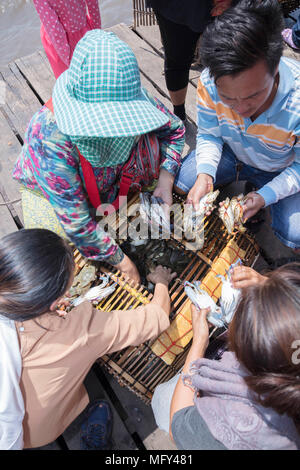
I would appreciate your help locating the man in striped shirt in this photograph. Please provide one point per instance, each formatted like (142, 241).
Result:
(248, 101)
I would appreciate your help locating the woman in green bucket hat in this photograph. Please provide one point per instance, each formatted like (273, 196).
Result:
(101, 133)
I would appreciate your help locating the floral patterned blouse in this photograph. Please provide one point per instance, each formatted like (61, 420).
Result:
(49, 164)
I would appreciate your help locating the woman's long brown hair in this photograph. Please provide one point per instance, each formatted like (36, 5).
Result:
(264, 334)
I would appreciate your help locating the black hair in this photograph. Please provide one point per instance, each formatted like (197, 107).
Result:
(36, 266)
(262, 333)
(244, 34)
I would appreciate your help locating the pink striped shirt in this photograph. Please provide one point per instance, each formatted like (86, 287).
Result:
(60, 17)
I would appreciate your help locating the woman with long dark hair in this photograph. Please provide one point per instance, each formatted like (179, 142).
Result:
(44, 358)
(250, 399)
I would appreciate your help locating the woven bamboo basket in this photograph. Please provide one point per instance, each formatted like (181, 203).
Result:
(139, 368)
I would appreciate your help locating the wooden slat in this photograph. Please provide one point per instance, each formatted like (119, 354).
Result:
(37, 71)
(21, 103)
(10, 149)
(152, 36)
(7, 224)
(151, 65)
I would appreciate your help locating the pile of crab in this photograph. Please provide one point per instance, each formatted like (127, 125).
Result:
(231, 212)
(219, 315)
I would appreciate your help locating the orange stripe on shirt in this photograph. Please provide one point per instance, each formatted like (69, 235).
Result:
(224, 111)
(220, 108)
(271, 135)
(204, 97)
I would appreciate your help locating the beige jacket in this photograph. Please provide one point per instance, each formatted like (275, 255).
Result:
(57, 354)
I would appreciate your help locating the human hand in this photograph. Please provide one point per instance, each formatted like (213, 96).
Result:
(161, 275)
(164, 187)
(202, 186)
(243, 276)
(254, 202)
(64, 302)
(61, 306)
(129, 269)
(164, 194)
(200, 326)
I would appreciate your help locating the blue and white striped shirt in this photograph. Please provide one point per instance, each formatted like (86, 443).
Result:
(271, 142)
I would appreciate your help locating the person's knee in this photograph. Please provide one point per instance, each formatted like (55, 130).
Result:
(289, 235)
(286, 221)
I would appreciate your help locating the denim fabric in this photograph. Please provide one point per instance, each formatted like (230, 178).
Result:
(296, 32)
(285, 213)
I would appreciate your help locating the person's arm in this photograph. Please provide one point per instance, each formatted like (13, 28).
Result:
(209, 142)
(183, 396)
(12, 408)
(115, 330)
(94, 13)
(54, 29)
(161, 277)
(285, 184)
(171, 142)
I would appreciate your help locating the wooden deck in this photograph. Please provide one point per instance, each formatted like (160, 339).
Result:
(29, 82)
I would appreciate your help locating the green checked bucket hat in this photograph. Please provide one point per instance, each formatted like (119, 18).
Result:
(100, 95)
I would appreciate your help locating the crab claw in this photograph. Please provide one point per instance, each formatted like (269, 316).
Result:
(201, 299)
(227, 216)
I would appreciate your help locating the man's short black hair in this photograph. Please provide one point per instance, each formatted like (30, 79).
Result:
(243, 35)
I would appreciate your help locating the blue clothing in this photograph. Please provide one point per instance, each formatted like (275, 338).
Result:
(270, 143)
(296, 33)
(285, 213)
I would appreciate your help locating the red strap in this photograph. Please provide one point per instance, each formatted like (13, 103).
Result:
(49, 105)
(90, 180)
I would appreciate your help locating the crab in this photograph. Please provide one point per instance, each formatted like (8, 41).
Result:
(193, 219)
(152, 211)
(219, 316)
(231, 213)
(168, 256)
(97, 293)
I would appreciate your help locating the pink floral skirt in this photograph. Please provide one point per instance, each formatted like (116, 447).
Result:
(57, 65)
